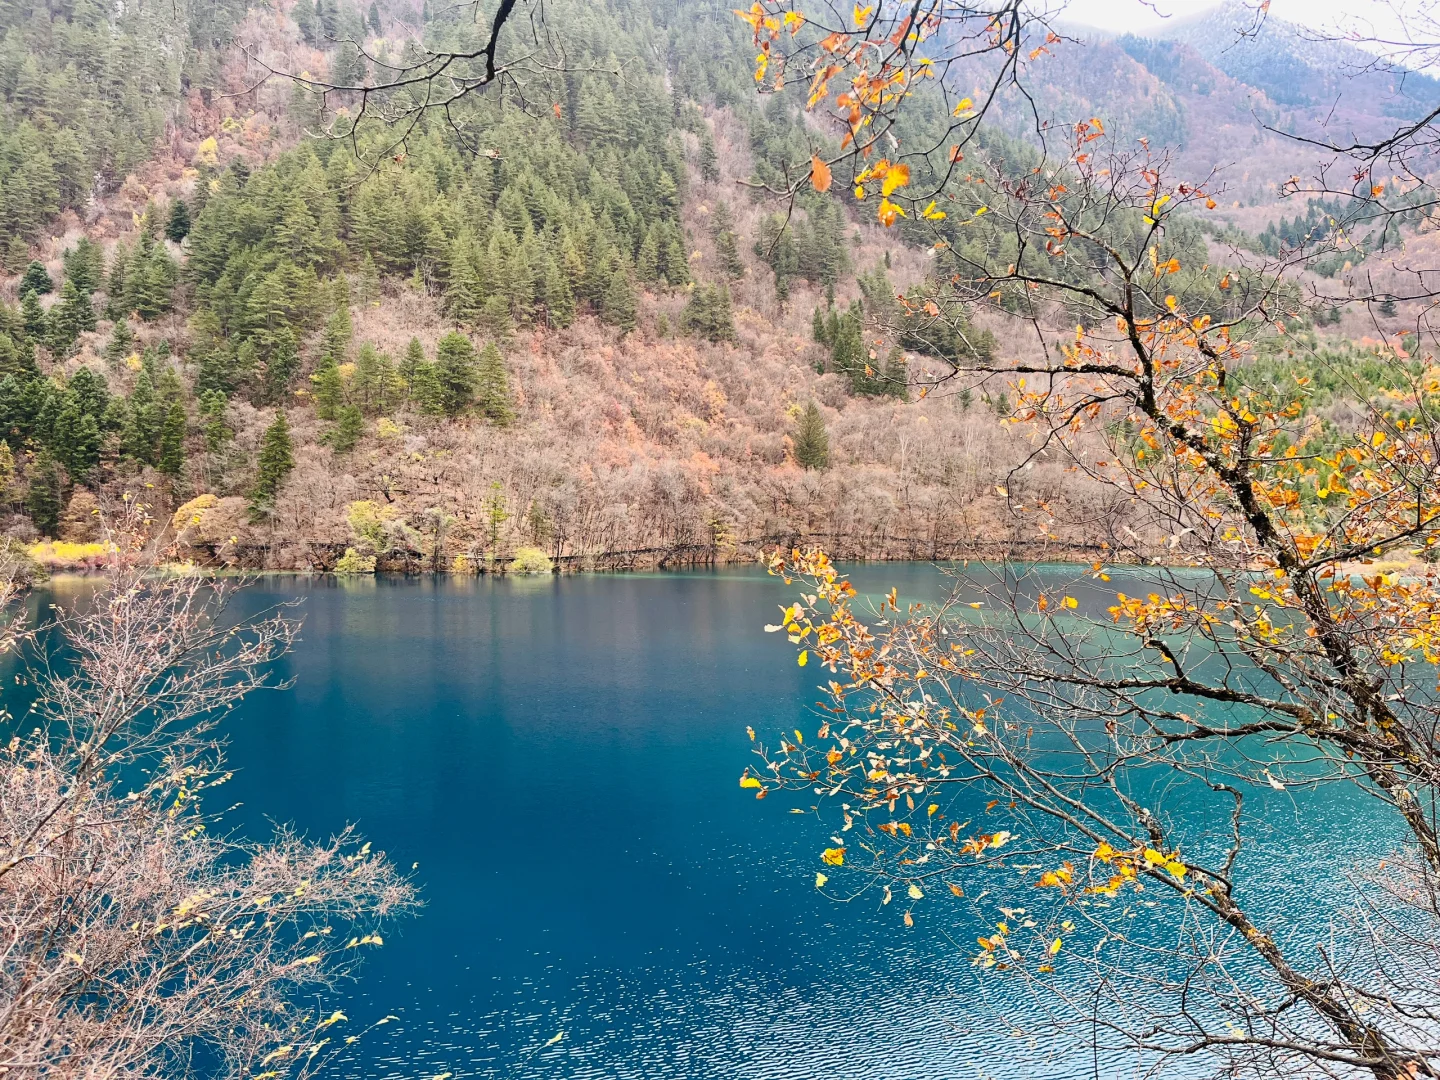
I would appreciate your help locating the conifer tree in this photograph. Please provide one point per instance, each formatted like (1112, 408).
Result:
(36, 279)
(410, 366)
(122, 340)
(85, 265)
(143, 420)
(71, 317)
(178, 225)
(171, 460)
(281, 365)
(37, 326)
(349, 426)
(326, 388)
(43, 501)
(213, 404)
(492, 387)
(895, 376)
(367, 281)
(647, 260)
(709, 160)
(375, 24)
(812, 442)
(117, 284)
(75, 440)
(89, 392)
(455, 373)
(339, 332)
(618, 304)
(677, 266)
(708, 314)
(729, 254)
(277, 459)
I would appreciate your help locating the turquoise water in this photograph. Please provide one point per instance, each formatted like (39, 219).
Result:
(560, 758)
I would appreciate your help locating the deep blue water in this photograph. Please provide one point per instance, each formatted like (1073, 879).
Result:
(560, 757)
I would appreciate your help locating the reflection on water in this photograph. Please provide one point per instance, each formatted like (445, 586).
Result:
(560, 758)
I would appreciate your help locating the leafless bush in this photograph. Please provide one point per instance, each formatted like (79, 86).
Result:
(135, 939)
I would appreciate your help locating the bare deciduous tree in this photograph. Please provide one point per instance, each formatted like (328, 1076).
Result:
(136, 939)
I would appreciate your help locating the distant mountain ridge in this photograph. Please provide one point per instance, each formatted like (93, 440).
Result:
(1292, 65)
(1221, 98)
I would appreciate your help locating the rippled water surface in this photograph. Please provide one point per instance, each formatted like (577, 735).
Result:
(560, 757)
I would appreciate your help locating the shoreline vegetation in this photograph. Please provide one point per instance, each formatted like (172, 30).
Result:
(59, 557)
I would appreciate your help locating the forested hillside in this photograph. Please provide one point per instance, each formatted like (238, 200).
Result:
(568, 318)
(570, 327)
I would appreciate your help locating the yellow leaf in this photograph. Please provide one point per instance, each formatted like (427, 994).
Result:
(803, 658)
(1071, 602)
(820, 880)
(932, 808)
(965, 105)
(1054, 946)
(834, 856)
(897, 176)
(749, 782)
(915, 893)
(1171, 302)
(819, 174)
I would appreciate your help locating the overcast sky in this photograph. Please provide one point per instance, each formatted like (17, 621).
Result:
(1365, 15)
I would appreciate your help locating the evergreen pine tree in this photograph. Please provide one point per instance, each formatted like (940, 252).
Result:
(36, 324)
(709, 160)
(281, 365)
(375, 25)
(305, 20)
(178, 225)
(895, 377)
(455, 373)
(277, 459)
(171, 460)
(812, 442)
(367, 282)
(349, 426)
(729, 254)
(117, 285)
(339, 331)
(43, 501)
(492, 387)
(85, 265)
(71, 317)
(327, 390)
(89, 392)
(75, 440)
(647, 260)
(708, 314)
(36, 279)
(410, 366)
(122, 340)
(143, 421)
(617, 304)
(213, 404)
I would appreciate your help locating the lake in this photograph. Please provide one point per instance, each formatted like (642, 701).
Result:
(560, 757)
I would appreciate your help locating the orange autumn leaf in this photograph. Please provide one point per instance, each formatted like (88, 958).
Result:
(819, 174)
